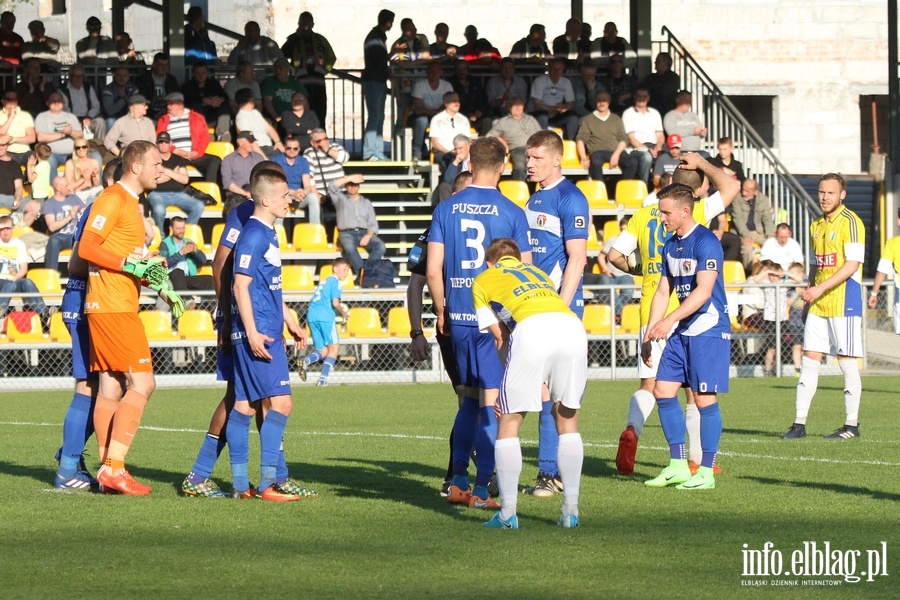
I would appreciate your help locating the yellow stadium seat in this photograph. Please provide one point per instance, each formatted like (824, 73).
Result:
(157, 325)
(21, 229)
(595, 192)
(157, 240)
(631, 318)
(46, 280)
(733, 272)
(516, 191)
(325, 272)
(364, 321)
(211, 188)
(33, 334)
(593, 244)
(631, 192)
(398, 322)
(598, 319)
(217, 231)
(196, 325)
(285, 331)
(193, 232)
(205, 270)
(220, 149)
(309, 237)
(611, 229)
(283, 244)
(570, 156)
(58, 330)
(297, 277)
(596, 269)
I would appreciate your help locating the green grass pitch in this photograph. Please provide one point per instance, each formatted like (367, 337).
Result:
(379, 529)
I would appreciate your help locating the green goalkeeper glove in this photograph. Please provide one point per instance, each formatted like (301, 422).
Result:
(172, 299)
(151, 270)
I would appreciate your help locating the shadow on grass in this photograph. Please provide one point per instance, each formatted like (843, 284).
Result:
(828, 487)
(754, 432)
(155, 477)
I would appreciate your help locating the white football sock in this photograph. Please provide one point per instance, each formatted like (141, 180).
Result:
(692, 422)
(639, 410)
(852, 389)
(570, 458)
(806, 388)
(508, 456)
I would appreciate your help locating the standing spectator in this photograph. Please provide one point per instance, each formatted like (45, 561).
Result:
(554, 100)
(16, 128)
(157, 84)
(61, 214)
(236, 169)
(609, 43)
(566, 45)
(82, 172)
(34, 89)
(299, 121)
(325, 160)
(445, 126)
(471, 97)
(312, 57)
(249, 119)
(753, 218)
(586, 88)
(428, 98)
(375, 76)
(11, 43)
(601, 138)
(726, 160)
(37, 170)
(532, 48)
(663, 84)
(81, 100)
(277, 91)
(205, 95)
(115, 96)
(513, 131)
(610, 274)
(619, 84)
(41, 46)
(782, 249)
(13, 271)
(133, 126)
(668, 161)
(440, 49)
(190, 136)
(170, 186)
(184, 259)
(682, 121)
(244, 77)
(11, 187)
(257, 49)
(300, 186)
(502, 88)
(58, 129)
(198, 48)
(356, 221)
(645, 132)
(125, 50)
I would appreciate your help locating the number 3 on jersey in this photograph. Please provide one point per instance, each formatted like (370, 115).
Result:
(476, 243)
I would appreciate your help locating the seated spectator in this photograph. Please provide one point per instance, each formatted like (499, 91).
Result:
(83, 173)
(268, 142)
(645, 132)
(584, 42)
(410, 46)
(753, 219)
(612, 275)
(428, 98)
(566, 45)
(471, 97)
(244, 77)
(11, 186)
(184, 260)
(445, 126)
(170, 186)
(61, 214)
(684, 122)
(81, 100)
(726, 161)
(37, 170)
(782, 249)
(198, 48)
(95, 49)
(300, 185)
(190, 136)
(513, 131)
(257, 49)
(299, 121)
(125, 51)
(11, 43)
(663, 85)
(532, 48)
(156, 84)
(619, 84)
(356, 221)
(457, 162)
(609, 43)
(41, 46)
(467, 51)
(205, 95)
(586, 88)
(13, 270)
(58, 129)
(135, 125)
(115, 95)
(277, 91)
(504, 87)
(601, 138)
(34, 90)
(440, 49)
(554, 100)
(16, 128)
(236, 169)
(325, 159)
(486, 55)
(667, 162)
(651, 199)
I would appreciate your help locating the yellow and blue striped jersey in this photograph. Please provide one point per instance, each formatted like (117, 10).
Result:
(889, 264)
(514, 289)
(833, 243)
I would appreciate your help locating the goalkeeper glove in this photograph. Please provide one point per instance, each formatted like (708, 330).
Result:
(172, 299)
(151, 270)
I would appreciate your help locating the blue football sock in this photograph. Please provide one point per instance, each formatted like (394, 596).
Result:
(464, 430)
(270, 436)
(484, 447)
(74, 434)
(326, 369)
(281, 470)
(206, 458)
(238, 433)
(710, 433)
(671, 417)
(313, 357)
(548, 442)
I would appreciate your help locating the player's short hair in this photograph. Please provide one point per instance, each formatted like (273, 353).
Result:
(112, 170)
(461, 182)
(134, 153)
(487, 154)
(502, 247)
(266, 165)
(263, 181)
(339, 261)
(692, 179)
(43, 151)
(679, 193)
(547, 139)
(834, 177)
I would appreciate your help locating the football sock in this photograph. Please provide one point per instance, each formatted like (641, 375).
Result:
(852, 389)
(710, 433)
(464, 430)
(692, 424)
(238, 434)
(326, 369)
(571, 459)
(75, 428)
(484, 447)
(313, 357)
(548, 440)
(281, 469)
(672, 420)
(508, 455)
(125, 425)
(806, 388)
(206, 458)
(270, 437)
(450, 462)
(104, 411)
(639, 410)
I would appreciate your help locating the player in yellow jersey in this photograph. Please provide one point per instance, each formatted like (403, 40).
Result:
(834, 303)
(647, 234)
(889, 265)
(547, 344)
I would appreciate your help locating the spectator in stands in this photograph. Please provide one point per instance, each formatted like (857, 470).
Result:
(115, 95)
(95, 49)
(586, 88)
(782, 249)
(133, 126)
(205, 95)
(34, 89)
(584, 42)
(61, 214)
(457, 162)
(554, 100)
(197, 45)
(184, 260)
(37, 173)
(277, 91)
(82, 172)
(325, 159)
(58, 129)
(486, 54)
(532, 48)
(726, 161)
(609, 43)
(81, 100)
(190, 136)
(471, 97)
(684, 122)
(244, 77)
(125, 51)
(502, 88)
(445, 126)
(11, 186)
(619, 84)
(428, 98)
(356, 222)
(171, 184)
(410, 46)
(300, 185)
(663, 84)
(612, 275)
(440, 49)
(513, 131)
(667, 161)
(157, 84)
(13, 270)
(566, 45)
(11, 43)
(236, 169)
(753, 219)
(467, 51)
(299, 121)
(268, 141)
(601, 138)
(312, 57)
(375, 76)
(41, 46)
(257, 49)
(645, 132)
(16, 128)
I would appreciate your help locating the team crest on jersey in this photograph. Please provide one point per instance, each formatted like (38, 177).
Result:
(580, 222)
(541, 220)
(245, 261)
(232, 235)
(712, 264)
(687, 267)
(98, 222)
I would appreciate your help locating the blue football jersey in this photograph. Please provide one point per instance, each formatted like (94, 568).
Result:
(466, 224)
(76, 287)
(556, 214)
(257, 255)
(683, 258)
(235, 223)
(321, 307)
